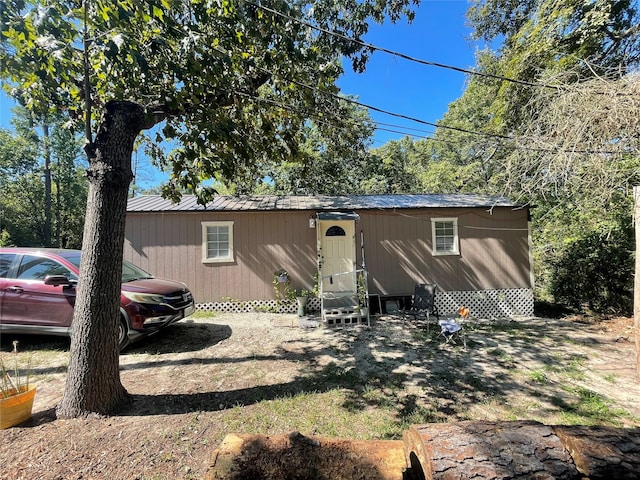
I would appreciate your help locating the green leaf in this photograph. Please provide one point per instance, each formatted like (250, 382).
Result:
(158, 13)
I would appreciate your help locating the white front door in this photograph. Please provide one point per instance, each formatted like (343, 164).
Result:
(337, 244)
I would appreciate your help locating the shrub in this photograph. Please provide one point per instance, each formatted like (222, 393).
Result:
(596, 271)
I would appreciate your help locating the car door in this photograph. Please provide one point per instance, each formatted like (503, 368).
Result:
(28, 301)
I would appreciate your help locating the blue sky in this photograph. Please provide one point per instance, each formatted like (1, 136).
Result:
(438, 34)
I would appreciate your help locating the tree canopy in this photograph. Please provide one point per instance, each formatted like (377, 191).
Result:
(223, 76)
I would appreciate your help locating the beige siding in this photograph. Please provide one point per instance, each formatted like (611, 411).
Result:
(169, 245)
(494, 250)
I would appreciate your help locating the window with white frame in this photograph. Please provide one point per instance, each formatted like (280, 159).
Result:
(444, 233)
(217, 242)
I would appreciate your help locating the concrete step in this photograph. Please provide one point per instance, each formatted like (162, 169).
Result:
(344, 316)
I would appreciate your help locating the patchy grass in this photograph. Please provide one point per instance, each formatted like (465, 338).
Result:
(586, 407)
(538, 376)
(570, 366)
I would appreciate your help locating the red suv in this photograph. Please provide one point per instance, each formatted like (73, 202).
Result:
(38, 291)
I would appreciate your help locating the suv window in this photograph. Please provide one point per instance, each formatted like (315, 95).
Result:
(37, 268)
(6, 259)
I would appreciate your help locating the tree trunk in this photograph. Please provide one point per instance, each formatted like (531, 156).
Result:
(93, 380)
(58, 242)
(47, 185)
(636, 282)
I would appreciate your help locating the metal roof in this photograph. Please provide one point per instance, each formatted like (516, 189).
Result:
(189, 203)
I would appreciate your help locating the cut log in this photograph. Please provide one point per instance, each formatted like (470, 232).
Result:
(487, 450)
(295, 456)
(603, 452)
(442, 451)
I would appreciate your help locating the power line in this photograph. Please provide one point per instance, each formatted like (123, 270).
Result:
(402, 55)
(293, 109)
(456, 129)
(424, 122)
(414, 119)
(432, 139)
(403, 127)
(387, 112)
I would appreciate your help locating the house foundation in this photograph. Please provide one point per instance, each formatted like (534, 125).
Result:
(503, 303)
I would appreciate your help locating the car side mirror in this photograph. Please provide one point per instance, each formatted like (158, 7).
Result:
(57, 280)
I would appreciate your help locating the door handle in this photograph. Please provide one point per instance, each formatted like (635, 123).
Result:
(15, 289)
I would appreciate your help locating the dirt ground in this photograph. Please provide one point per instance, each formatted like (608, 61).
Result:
(195, 382)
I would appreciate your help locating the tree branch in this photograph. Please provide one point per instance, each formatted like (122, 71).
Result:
(158, 112)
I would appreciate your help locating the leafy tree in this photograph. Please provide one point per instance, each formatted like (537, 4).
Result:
(5, 238)
(590, 166)
(594, 271)
(233, 82)
(495, 18)
(22, 210)
(468, 143)
(543, 37)
(69, 187)
(329, 160)
(394, 168)
(581, 162)
(20, 183)
(408, 166)
(17, 156)
(44, 189)
(568, 139)
(61, 169)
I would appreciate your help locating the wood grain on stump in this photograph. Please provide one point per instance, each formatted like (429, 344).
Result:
(296, 457)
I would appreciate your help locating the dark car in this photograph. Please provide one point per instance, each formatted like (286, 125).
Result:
(38, 291)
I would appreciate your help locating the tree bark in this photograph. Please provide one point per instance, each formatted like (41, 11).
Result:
(636, 282)
(487, 450)
(93, 380)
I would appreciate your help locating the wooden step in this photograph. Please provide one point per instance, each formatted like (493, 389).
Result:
(346, 301)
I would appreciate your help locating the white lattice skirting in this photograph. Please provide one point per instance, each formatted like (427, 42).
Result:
(275, 306)
(488, 303)
(482, 304)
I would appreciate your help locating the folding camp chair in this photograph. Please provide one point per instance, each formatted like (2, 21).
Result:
(423, 304)
(453, 329)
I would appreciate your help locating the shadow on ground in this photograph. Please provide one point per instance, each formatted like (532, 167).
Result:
(527, 367)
